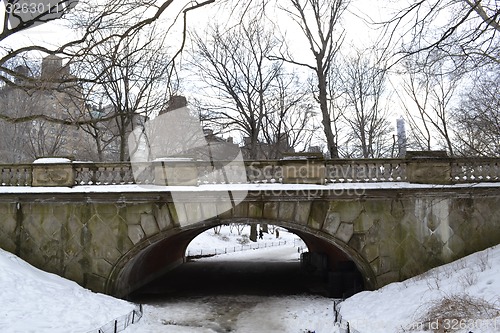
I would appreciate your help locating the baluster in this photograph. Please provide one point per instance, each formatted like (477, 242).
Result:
(458, 172)
(482, 173)
(78, 176)
(390, 172)
(15, 177)
(254, 172)
(11, 179)
(203, 174)
(345, 170)
(266, 173)
(29, 176)
(469, 174)
(278, 175)
(330, 173)
(495, 172)
(398, 172)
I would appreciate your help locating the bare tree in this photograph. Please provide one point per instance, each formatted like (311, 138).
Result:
(252, 94)
(465, 31)
(477, 118)
(96, 23)
(363, 86)
(37, 137)
(134, 85)
(319, 21)
(432, 91)
(289, 118)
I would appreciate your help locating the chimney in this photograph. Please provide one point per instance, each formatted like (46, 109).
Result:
(23, 72)
(400, 125)
(176, 102)
(208, 132)
(53, 68)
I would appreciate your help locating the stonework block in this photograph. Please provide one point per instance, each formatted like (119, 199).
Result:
(371, 252)
(357, 242)
(163, 217)
(345, 232)
(176, 173)
(255, 210)
(241, 210)
(304, 171)
(194, 213)
(208, 210)
(224, 209)
(135, 233)
(149, 225)
(302, 211)
(387, 278)
(286, 211)
(428, 168)
(179, 213)
(51, 175)
(332, 222)
(348, 210)
(95, 282)
(106, 211)
(8, 224)
(382, 265)
(456, 244)
(318, 214)
(101, 267)
(363, 222)
(270, 210)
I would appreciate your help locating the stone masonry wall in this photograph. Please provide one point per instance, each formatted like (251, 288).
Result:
(389, 237)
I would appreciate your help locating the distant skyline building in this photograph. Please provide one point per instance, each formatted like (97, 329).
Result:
(402, 141)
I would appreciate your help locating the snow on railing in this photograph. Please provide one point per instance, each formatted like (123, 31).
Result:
(460, 170)
(121, 323)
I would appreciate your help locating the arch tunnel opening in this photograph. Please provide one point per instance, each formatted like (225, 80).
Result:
(166, 268)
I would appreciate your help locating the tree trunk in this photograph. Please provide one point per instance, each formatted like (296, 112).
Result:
(253, 232)
(326, 121)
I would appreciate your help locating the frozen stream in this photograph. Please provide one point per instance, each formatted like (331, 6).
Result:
(274, 308)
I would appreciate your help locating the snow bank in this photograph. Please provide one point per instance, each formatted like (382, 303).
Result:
(35, 301)
(463, 296)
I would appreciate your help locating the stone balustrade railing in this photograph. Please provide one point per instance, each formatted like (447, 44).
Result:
(16, 174)
(413, 170)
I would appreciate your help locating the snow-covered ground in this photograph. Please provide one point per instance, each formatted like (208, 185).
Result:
(230, 239)
(460, 297)
(35, 301)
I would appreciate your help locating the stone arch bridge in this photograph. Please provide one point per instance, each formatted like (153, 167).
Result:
(111, 235)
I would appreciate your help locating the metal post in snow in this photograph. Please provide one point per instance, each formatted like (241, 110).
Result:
(116, 326)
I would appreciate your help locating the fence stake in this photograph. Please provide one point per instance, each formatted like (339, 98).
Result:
(116, 326)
